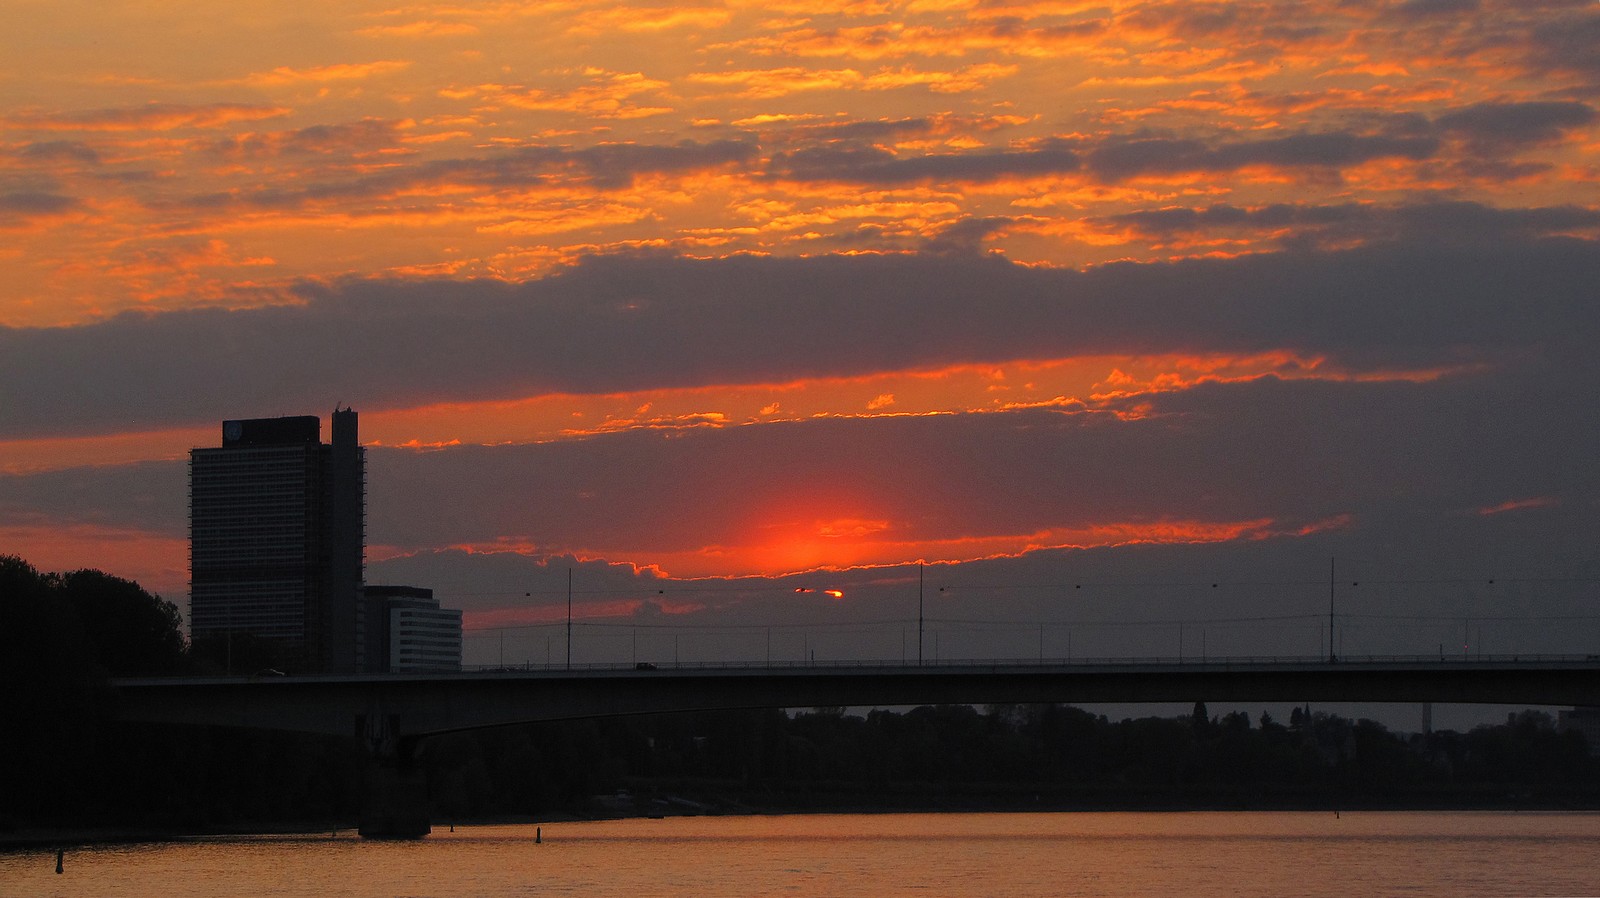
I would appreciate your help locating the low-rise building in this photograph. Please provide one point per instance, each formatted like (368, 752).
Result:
(407, 631)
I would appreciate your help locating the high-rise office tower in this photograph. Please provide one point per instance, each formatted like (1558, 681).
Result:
(277, 540)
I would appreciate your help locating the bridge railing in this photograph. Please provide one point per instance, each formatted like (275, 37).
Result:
(1214, 661)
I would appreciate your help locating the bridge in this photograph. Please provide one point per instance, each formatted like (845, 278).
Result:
(391, 714)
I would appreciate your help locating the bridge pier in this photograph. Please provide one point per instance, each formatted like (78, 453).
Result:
(394, 787)
(394, 801)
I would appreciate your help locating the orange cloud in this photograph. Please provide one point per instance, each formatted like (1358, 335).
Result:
(1062, 383)
(829, 8)
(909, 216)
(422, 28)
(780, 82)
(150, 117)
(820, 547)
(167, 263)
(178, 272)
(609, 95)
(963, 80)
(898, 40)
(648, 20)
(159, 562)
(771, 83)
(355, 71)
(1520, 504)
(38, 211)
(554, 220)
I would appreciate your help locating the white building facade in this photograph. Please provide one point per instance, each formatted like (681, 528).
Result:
(416, 634)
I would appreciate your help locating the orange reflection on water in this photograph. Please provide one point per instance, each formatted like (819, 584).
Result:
(1239, 854)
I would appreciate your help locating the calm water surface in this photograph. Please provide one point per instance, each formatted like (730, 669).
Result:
(885, 856)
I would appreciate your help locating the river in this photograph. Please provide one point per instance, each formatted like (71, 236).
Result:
(884, 856)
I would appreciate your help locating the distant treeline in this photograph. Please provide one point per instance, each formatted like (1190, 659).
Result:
(65, 763)
(1010, 757)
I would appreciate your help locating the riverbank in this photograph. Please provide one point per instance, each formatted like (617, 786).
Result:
(680, 799)
(52, 838)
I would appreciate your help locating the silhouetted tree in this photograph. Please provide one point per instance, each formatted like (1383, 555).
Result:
(128, 631)
(60, 636)
(50, 699)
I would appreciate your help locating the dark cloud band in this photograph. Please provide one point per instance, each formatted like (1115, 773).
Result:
(623, 323)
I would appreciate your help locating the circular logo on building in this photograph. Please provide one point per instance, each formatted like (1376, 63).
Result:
(232, 430)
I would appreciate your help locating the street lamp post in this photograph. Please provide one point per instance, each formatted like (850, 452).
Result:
(547, 640)
(919, 614)
(1332, 655)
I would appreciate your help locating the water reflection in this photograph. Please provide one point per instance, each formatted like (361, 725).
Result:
(1000, 855)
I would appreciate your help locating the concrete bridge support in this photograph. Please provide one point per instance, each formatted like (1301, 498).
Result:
(394, 786)
(394, 801)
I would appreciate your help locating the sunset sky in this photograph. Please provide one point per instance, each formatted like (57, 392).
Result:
(1124, 319)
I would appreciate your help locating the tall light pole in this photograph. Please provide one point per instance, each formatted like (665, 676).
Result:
(919, 614)
(1332, 655)
(569, 618)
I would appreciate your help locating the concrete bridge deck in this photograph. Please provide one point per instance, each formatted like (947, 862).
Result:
(397, 706)
(393, 714)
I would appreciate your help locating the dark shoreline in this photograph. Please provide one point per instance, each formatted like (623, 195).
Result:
(50, 839)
